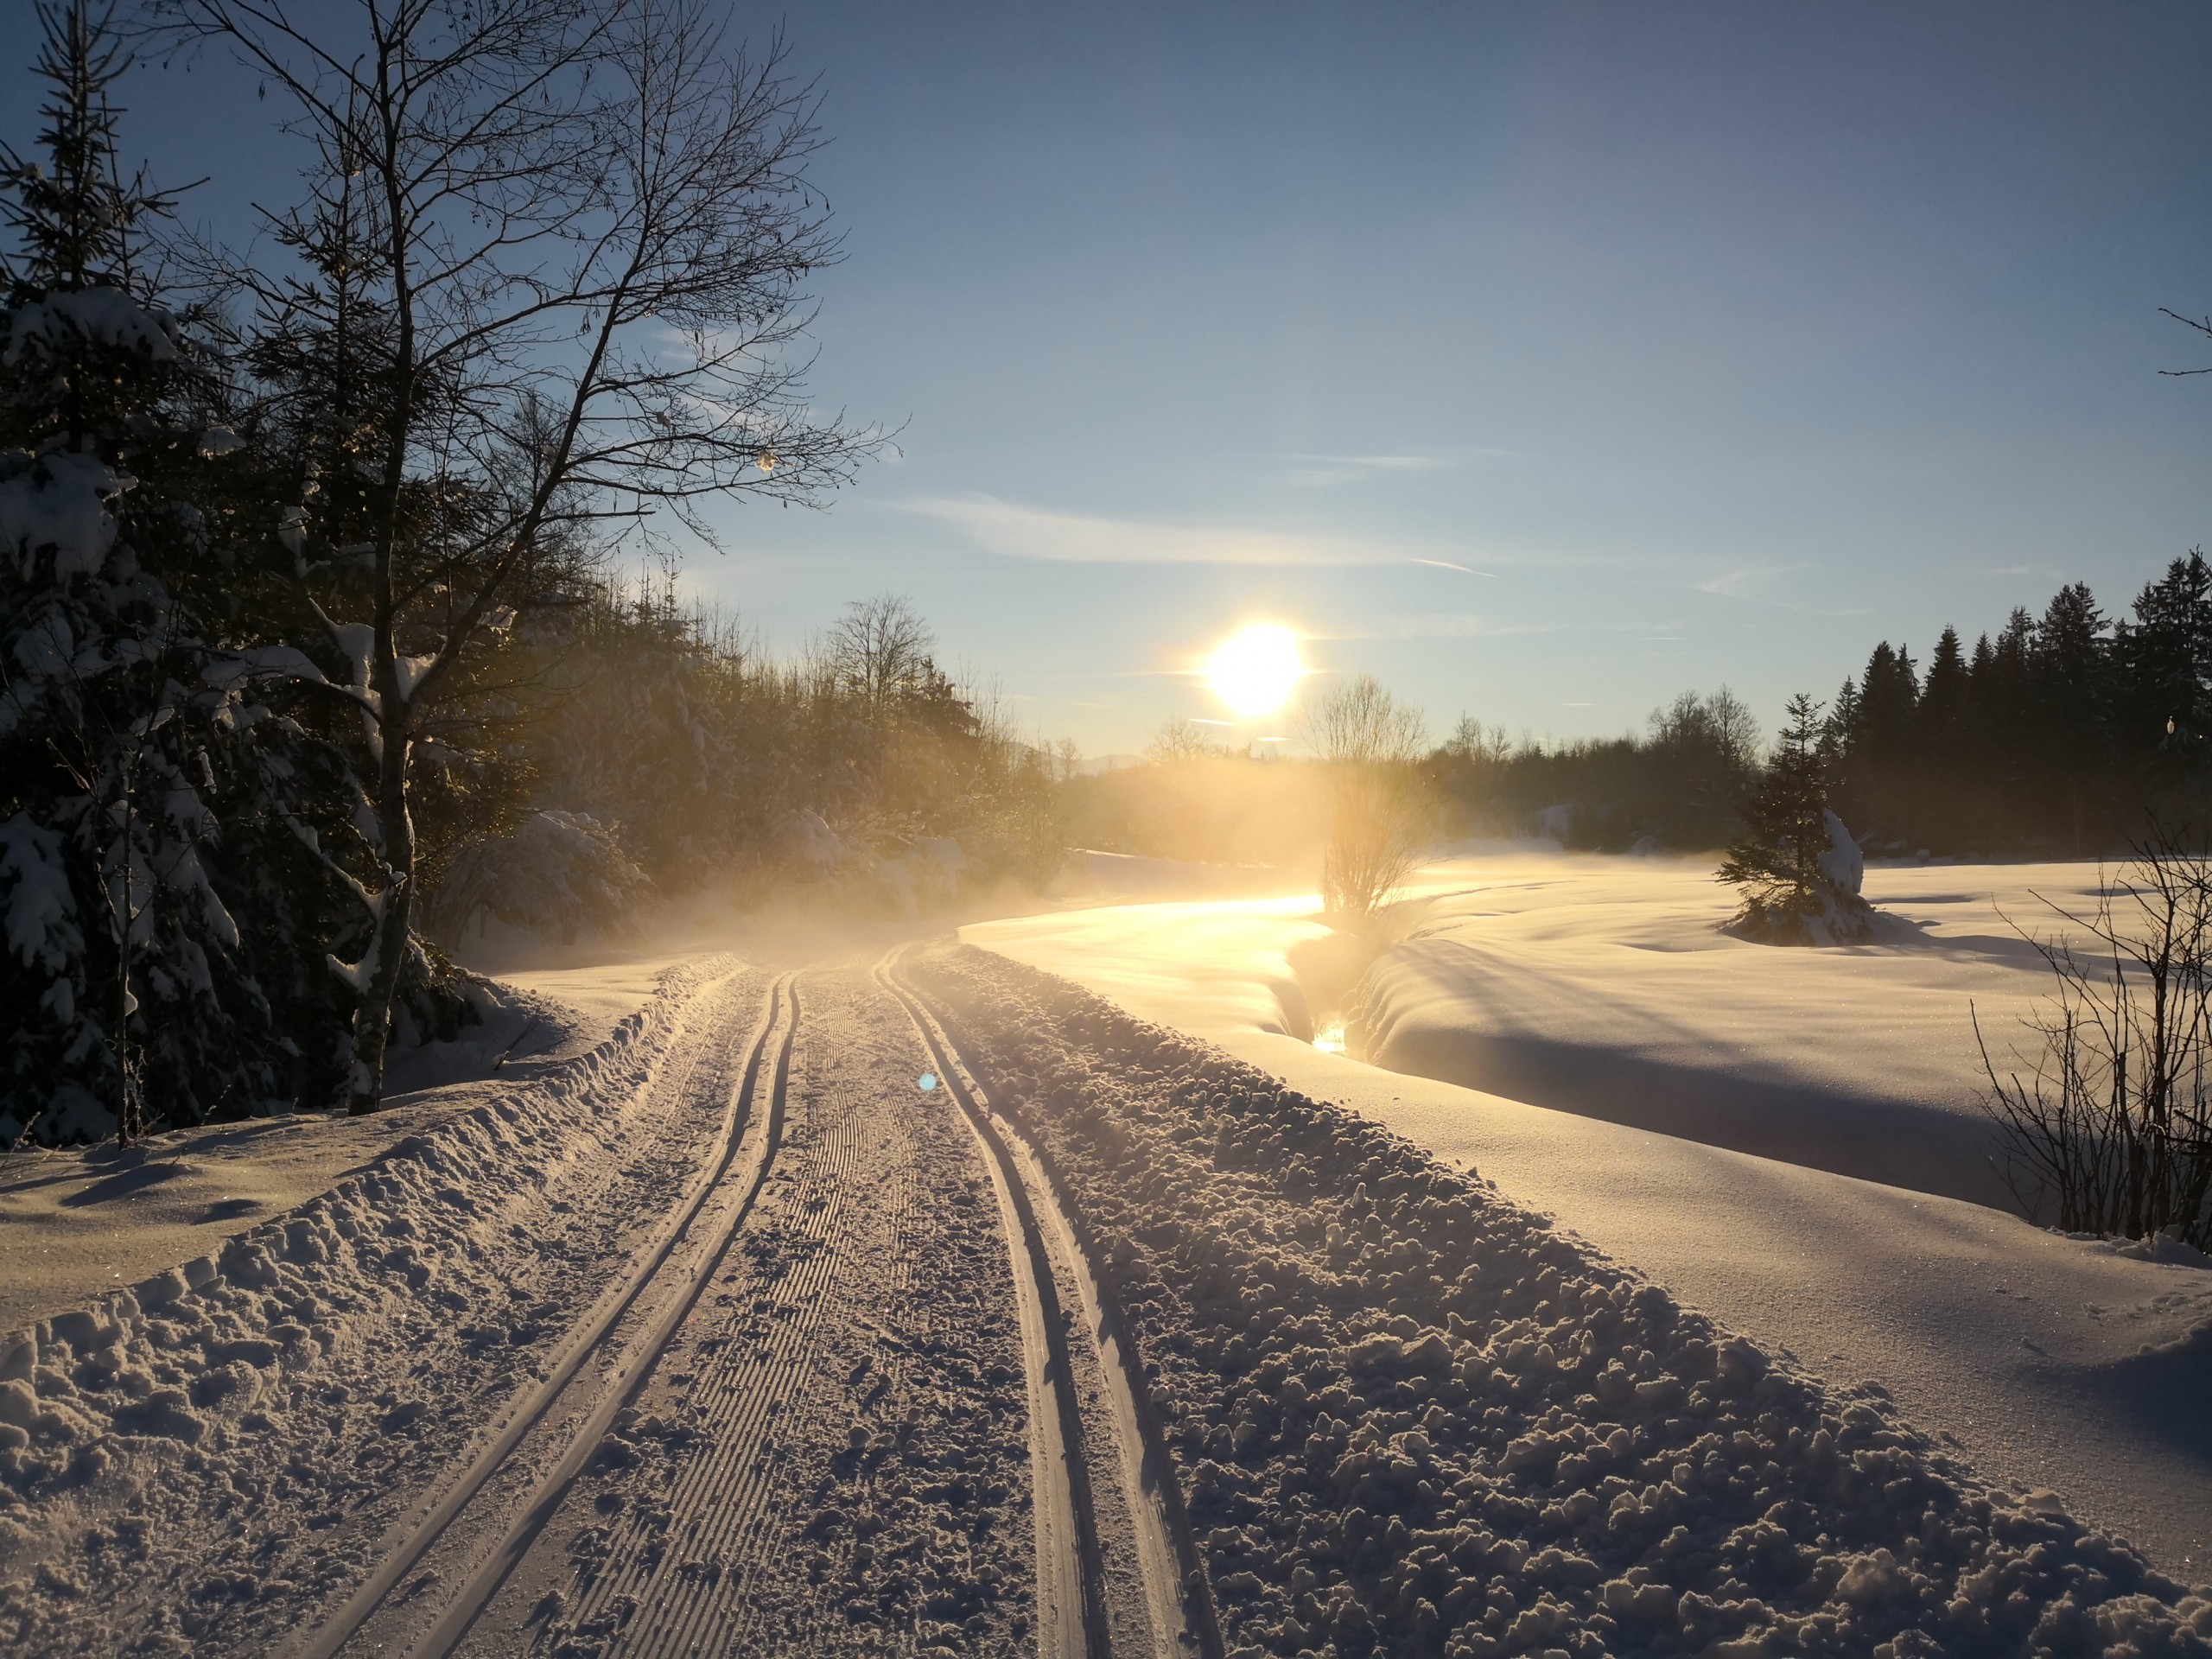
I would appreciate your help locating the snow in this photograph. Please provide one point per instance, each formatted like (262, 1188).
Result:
(201, 1457)
(40, 913)
(1409, 1414)
(831, 1458)
(811, 839)
(2024, 1348)
(76, 1221)
(1605, 988)
(1434, 1369)
(559, 872)
(105, 316)
(279, 662)
(58, 502)
(1843, 864)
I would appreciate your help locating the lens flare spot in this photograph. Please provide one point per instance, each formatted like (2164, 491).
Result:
(928, 1081)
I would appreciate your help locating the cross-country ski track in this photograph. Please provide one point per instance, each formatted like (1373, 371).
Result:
(936, 1307)
(540, 1534)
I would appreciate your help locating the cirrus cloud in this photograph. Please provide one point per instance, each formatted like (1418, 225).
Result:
(1024, 532)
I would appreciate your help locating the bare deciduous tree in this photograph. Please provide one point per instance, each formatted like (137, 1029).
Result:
(1379, 814)
(565, 241)
(2112, 1131)
(1178, 741)
(880, 648)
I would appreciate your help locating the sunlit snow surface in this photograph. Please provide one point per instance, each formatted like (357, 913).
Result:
(2022, 1345)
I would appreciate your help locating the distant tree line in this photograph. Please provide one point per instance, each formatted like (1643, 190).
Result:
(2064, 733)
(1683, 784)
(698, 762)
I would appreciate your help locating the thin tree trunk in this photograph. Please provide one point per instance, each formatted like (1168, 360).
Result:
(388, 950)
(126, 1124)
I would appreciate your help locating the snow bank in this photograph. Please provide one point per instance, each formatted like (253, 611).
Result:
(101, 316)
(1408, 1416)
(205, 1459)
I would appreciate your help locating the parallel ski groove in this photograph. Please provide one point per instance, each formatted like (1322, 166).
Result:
(462, 1610)
(465, 1609)
(725, 1495)
(1176, 1590)
(1069, 1571)
(327, 1638)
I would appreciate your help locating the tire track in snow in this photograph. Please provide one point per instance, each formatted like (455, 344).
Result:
(1177, 1604)
(739, 1148)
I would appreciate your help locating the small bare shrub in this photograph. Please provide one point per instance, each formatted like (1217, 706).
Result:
(2113, 1127)
(1379, 813)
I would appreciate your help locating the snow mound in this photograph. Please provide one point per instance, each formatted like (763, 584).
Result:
(1407, 1416)
(1843, 864)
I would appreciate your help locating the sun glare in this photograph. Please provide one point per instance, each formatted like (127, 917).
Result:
(1255, 670)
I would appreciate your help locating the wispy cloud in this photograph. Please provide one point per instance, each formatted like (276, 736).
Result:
(1471, 626)
(1023, 532)
(1781, 586)
(1319, 472)
(1750, 583)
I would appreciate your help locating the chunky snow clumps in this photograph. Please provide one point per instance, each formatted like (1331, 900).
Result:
(1409, 1417)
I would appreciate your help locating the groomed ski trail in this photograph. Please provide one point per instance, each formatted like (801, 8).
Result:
(655, 1293)
(1177, 1604)
(831, 1453)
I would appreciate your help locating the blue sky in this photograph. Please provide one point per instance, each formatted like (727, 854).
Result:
(1713, 342)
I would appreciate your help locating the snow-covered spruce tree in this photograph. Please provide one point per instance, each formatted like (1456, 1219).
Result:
(124, 1001)
(582, 226)
(1796, 866)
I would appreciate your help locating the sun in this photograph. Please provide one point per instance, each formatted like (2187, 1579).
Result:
(1255, 670)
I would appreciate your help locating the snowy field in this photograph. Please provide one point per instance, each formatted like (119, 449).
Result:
(2051, 1364)
(1602, 987)
(912, 1300)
